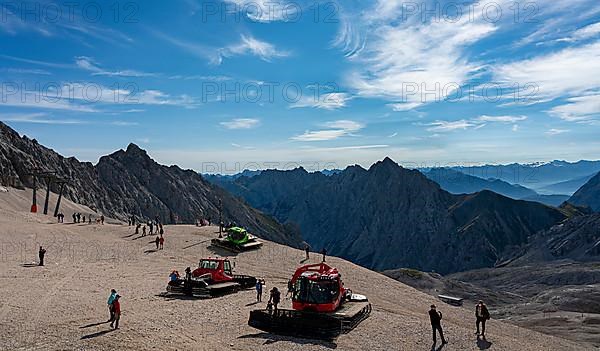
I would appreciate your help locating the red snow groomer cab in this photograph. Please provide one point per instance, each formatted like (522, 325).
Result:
(322, 307)
(213, 277)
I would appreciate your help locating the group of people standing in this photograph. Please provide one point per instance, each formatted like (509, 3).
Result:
(482, 315)
(79, 218)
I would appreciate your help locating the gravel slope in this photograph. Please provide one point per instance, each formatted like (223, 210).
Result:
(54, 307)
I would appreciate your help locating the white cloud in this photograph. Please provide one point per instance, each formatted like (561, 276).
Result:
(329, 101)
(241, 123)
(89, 64)
(335, 130)
(405, 59)
(448, 126)
(407, 106)
(88, 97)
(249, 45)
(555, 131)
(570, 71)
(584, 33)
(37, 118)
(502, 119)
(579, 108)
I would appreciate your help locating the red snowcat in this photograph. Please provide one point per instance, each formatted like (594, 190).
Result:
(322, 308)
(213, 277)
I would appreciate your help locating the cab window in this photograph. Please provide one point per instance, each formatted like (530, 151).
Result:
(227, 267)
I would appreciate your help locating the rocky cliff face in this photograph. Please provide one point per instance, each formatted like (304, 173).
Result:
(588, 194)
(576, 239)
(389, 217)
(128, 182)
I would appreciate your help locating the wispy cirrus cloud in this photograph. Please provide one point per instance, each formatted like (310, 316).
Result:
(567, 72)
(333, 130)
(502, 119)
(329, 101)
(88, 64)
(241, 123)
(448, 126)
(37, 118)
(46, 118)
(400, 59)
(247, 45)
(92, 98)
(583, 33)
(556, 131)
(441, 126)
(578, 109)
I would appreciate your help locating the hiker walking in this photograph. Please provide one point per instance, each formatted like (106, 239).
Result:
(259, 289)
(102, 221)
(161, 242)
(117, 310)
(157, 241)
(435, 317)
(74, 217)
(144, 231)
(482, 315)
(161, 230)
(307, 250)
(78, 217)
(111, 299)
(151, 227)
(41, 255)
(324, 252)
(275, 298)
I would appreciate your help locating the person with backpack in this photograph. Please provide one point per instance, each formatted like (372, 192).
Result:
(435, 317)
(117, 311)
(482, 315)
(275, 298)
(111, 299)
(157, 241)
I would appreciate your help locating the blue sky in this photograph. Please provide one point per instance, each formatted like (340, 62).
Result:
(219, 86)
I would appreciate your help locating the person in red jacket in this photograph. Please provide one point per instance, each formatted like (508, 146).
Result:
(117, 311)
(161, 241)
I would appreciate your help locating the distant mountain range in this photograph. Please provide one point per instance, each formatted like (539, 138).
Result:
(128, 182)
(388, 216)
(556, 177)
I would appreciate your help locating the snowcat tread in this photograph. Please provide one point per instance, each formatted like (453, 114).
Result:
(245, 281)
(297, 323)
(227, 245)
(325, 326)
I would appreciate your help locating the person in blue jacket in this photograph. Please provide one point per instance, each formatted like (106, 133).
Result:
(111, 299)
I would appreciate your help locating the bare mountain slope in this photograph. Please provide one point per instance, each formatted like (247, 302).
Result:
(388, 217)
(588, 194)
(128, 182)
